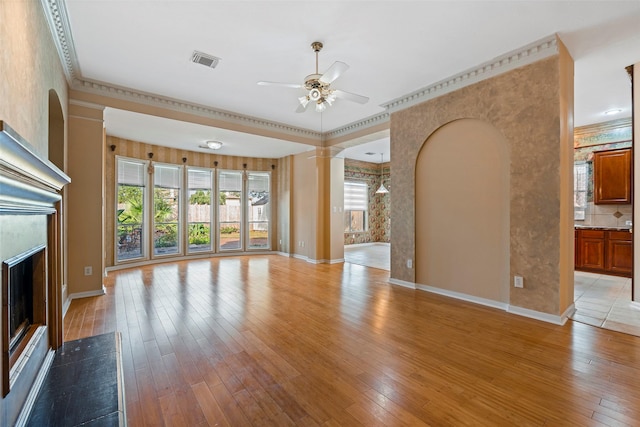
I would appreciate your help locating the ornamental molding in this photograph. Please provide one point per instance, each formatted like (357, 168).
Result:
(525, 55)
(55, 12)
(57, 18)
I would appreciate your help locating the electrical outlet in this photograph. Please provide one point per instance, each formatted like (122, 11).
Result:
(518, 281)
(409, 263)
(88, 271)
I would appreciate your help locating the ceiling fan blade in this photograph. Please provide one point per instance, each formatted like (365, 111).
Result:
(334, 72)
(351, 96)
(291, 85)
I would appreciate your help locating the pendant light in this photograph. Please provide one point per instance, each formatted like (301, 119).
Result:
(382, 189)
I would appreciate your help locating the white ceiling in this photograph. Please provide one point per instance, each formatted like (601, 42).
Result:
(392, 47)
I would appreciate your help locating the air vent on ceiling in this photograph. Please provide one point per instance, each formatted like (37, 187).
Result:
(370, 153)
(204, 59)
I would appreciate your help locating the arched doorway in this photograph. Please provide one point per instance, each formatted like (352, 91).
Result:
(462, 211)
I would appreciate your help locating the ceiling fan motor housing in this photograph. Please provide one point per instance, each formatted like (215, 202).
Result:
(315, 94)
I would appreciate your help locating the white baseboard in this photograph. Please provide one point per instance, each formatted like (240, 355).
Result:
(402, 283)
(545, 317)
(77, 295)
(464, 297)
(525, 312)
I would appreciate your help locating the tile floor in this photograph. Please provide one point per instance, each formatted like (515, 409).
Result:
(603, 301)
(377, 255)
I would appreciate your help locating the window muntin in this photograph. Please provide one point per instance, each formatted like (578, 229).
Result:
(356, 202)
(230, 218)
(166, 209)
(130, 209)
(580, 189)
(258, 210)
(199, 210)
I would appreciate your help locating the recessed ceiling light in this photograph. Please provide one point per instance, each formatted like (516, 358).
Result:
(214, 145)
(613, 111)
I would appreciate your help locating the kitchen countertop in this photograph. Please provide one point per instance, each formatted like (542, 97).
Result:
(595, 227)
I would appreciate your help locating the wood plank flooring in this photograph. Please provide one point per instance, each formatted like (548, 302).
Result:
(275, 341)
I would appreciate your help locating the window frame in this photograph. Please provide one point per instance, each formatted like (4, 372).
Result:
(365, 211)
(144, 225)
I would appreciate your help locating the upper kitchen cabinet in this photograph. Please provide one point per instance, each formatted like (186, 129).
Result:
(612, 182)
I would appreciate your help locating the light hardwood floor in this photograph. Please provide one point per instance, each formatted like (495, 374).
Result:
(270, 340)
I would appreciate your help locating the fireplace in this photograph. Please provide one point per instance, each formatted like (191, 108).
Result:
(23, 304)
(31, 315)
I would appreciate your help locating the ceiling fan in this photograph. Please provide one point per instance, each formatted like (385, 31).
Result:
(318, 86)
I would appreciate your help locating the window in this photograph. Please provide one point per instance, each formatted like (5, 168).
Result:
(356, 202)
(130, 209)
(258, 210)
(580, 180)
(166, 209)
(230, 210)
(199, 215)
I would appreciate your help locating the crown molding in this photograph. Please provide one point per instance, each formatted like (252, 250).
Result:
(525, 55)
(359, 125)
(57, 18)
(55, 12)
(125, 94)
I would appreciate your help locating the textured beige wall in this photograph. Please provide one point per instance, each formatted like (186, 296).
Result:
(29, 67)
(462, 211)
(524, 105)
(139, 150)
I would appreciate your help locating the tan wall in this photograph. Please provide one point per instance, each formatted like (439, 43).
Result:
(284, 172)
(566, 230)
(462, 211)
(139, 150)
(305, 205)
(29, 67)
(524, 105)
(85, 196)
(636, 186)
(335, 210)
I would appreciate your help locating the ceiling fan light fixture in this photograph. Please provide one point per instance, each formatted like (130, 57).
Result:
(320, 107)
(304, 100)
(214, 145)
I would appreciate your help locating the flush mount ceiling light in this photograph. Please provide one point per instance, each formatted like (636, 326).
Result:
(382, 189)
(613, 111)
(318, 86)
(214, 145)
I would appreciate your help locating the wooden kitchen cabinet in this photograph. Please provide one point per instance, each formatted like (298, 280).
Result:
(604, 251)
(612, 182)
(619, 252)
(591, 246)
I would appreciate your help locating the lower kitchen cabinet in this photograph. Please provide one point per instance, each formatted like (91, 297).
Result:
(604, 251)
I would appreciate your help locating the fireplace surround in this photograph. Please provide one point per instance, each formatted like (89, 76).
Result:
(30, 201)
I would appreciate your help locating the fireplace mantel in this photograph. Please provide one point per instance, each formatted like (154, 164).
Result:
(29, 184)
